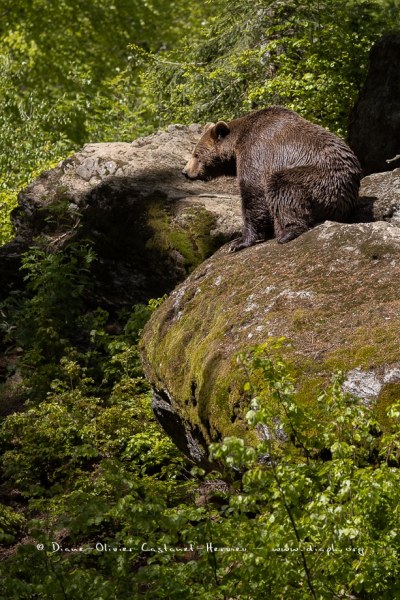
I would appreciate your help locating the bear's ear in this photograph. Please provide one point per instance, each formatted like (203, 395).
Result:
(208, 126)
(220, 130)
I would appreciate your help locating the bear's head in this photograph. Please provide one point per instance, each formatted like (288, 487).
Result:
(213, 155)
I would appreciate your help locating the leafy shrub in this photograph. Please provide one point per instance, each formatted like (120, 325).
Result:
(84, 458)
(324, 512)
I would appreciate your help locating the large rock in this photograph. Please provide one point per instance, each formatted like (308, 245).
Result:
(374, 132)
(379, 198)
(333, 293)
(149, 225)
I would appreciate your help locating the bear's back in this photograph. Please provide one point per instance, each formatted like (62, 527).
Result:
(282, 138)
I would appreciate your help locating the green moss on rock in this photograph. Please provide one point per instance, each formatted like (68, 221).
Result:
(339, 309)
(389, 394)
(189, 234)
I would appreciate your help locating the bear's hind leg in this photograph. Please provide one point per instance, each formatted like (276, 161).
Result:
(290, 203)
(289, 226)
(257, 222)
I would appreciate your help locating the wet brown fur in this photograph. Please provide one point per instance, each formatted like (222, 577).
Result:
(292, 173)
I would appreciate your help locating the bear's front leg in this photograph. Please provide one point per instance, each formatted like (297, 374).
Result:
(243, 242)
(257, 223)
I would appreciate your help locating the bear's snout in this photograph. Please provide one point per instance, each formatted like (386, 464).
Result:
(192, 169)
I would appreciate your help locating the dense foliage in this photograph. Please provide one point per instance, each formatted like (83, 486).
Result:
(308, 55)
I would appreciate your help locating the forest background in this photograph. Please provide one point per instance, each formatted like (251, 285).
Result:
(83, 461)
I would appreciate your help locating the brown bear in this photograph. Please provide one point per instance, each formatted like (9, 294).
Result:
(292, 173)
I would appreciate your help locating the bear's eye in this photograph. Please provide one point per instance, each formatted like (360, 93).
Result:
(196, 155)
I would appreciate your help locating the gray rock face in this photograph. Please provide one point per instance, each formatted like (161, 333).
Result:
(374, 132)
(380, 198)
(148, 224)
(363, 384)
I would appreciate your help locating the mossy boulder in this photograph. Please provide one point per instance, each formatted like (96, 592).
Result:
(333, 293)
